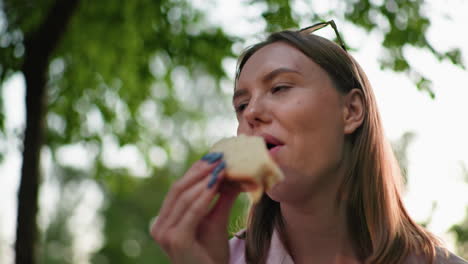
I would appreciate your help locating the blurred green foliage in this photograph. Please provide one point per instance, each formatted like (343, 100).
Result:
(400, 148)
(149, 74)
(404, 23)
(461, 230)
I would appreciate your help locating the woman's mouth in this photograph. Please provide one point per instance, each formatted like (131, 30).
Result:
(273, 144)
(273, 150)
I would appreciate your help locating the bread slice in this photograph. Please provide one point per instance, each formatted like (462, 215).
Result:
(249, 164)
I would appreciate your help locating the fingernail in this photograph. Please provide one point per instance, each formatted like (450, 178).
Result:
(214, 175)
(212, 157)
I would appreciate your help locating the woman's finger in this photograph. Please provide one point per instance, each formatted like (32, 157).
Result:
(199, 170)
(171, 230)
(183, 203)
(214, 175)
(220, 211)
(189, 198)
(199, 208)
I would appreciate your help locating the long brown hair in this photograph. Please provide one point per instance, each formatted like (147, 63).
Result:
(382, 230)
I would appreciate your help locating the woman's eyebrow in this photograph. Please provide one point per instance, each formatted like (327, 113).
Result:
(239, 93)
(277, 72)
(268, 77)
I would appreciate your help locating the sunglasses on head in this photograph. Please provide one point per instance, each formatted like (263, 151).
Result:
(313, 28)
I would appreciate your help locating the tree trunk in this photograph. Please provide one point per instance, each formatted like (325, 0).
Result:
(38, 50)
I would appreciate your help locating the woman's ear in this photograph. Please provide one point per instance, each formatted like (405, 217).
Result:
(353, 110)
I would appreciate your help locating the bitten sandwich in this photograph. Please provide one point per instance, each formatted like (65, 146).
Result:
(249, 164)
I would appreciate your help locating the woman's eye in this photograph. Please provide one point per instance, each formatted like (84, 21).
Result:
(240, 107)
(279, 88)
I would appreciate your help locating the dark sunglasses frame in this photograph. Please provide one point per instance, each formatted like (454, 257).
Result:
(313, 28)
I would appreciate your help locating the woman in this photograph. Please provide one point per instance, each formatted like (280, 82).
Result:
(340, 201)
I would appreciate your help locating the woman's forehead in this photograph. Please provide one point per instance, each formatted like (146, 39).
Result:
(275, 56)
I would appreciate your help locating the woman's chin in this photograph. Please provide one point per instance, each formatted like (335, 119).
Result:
(278, 192)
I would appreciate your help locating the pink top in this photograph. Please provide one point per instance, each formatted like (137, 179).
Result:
(277, 254)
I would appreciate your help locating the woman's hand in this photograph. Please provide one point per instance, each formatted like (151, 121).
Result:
(189, 228)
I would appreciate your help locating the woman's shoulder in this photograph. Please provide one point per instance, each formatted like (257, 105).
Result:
(443, 256)
(446, 257)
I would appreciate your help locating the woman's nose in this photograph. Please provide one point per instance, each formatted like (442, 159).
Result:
(257, 113)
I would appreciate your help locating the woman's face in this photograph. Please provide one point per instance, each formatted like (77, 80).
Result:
(285, 97)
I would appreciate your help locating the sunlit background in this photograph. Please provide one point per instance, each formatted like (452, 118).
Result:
(434, 132)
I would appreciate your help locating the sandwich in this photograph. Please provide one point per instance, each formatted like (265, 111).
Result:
(249, 164)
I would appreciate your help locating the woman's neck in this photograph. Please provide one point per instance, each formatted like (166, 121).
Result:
(317, 232)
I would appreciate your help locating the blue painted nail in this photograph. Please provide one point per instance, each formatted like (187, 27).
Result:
(214, 175)
(212, 157)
